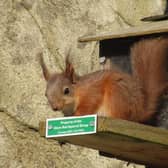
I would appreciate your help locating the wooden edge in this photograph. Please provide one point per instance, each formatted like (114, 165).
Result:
(127, 128)
(145, 29)
(119, 145)
(42, 128)
(134, 130)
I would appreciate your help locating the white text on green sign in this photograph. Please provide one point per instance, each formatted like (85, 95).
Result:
(68, 126)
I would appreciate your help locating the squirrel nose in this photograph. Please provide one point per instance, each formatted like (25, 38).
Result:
(56, 107)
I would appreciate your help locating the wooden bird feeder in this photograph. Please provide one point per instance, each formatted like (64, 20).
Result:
(122, 139)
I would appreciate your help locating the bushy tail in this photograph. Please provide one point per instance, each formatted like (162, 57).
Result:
(149, 61)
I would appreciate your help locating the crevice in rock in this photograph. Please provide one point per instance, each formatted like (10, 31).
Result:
(122, 17)
(43, 37)
(17, 120)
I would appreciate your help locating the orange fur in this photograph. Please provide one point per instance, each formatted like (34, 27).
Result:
(110, 94)
(113, 93)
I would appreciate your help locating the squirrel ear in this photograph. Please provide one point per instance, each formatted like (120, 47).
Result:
(44, 67)
(69, 70)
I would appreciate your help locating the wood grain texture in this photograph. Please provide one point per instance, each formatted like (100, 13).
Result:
(125, 140)
(145, 29)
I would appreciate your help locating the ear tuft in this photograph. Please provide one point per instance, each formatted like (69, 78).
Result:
(69, 70)
(43, 66)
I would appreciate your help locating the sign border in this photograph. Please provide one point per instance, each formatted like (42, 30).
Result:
(71, 117)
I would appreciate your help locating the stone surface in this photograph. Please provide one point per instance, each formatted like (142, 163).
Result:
(28, 27)
(8, 152)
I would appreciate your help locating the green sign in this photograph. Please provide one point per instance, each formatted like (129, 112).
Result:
(67, 126)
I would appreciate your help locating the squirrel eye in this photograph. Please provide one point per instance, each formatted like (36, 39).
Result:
(66, 91)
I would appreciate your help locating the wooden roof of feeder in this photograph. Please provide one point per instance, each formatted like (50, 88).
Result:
(145, 29)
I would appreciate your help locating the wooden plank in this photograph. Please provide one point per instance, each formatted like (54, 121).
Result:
(125, 140)
(132, 129)
(42, 128)
(145, 29)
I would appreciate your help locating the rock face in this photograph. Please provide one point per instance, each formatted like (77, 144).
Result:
(28, 27)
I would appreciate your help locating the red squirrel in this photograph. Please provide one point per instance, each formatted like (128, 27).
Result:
(113, 93)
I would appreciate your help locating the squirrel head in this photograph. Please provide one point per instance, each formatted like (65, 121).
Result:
(60, 86)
